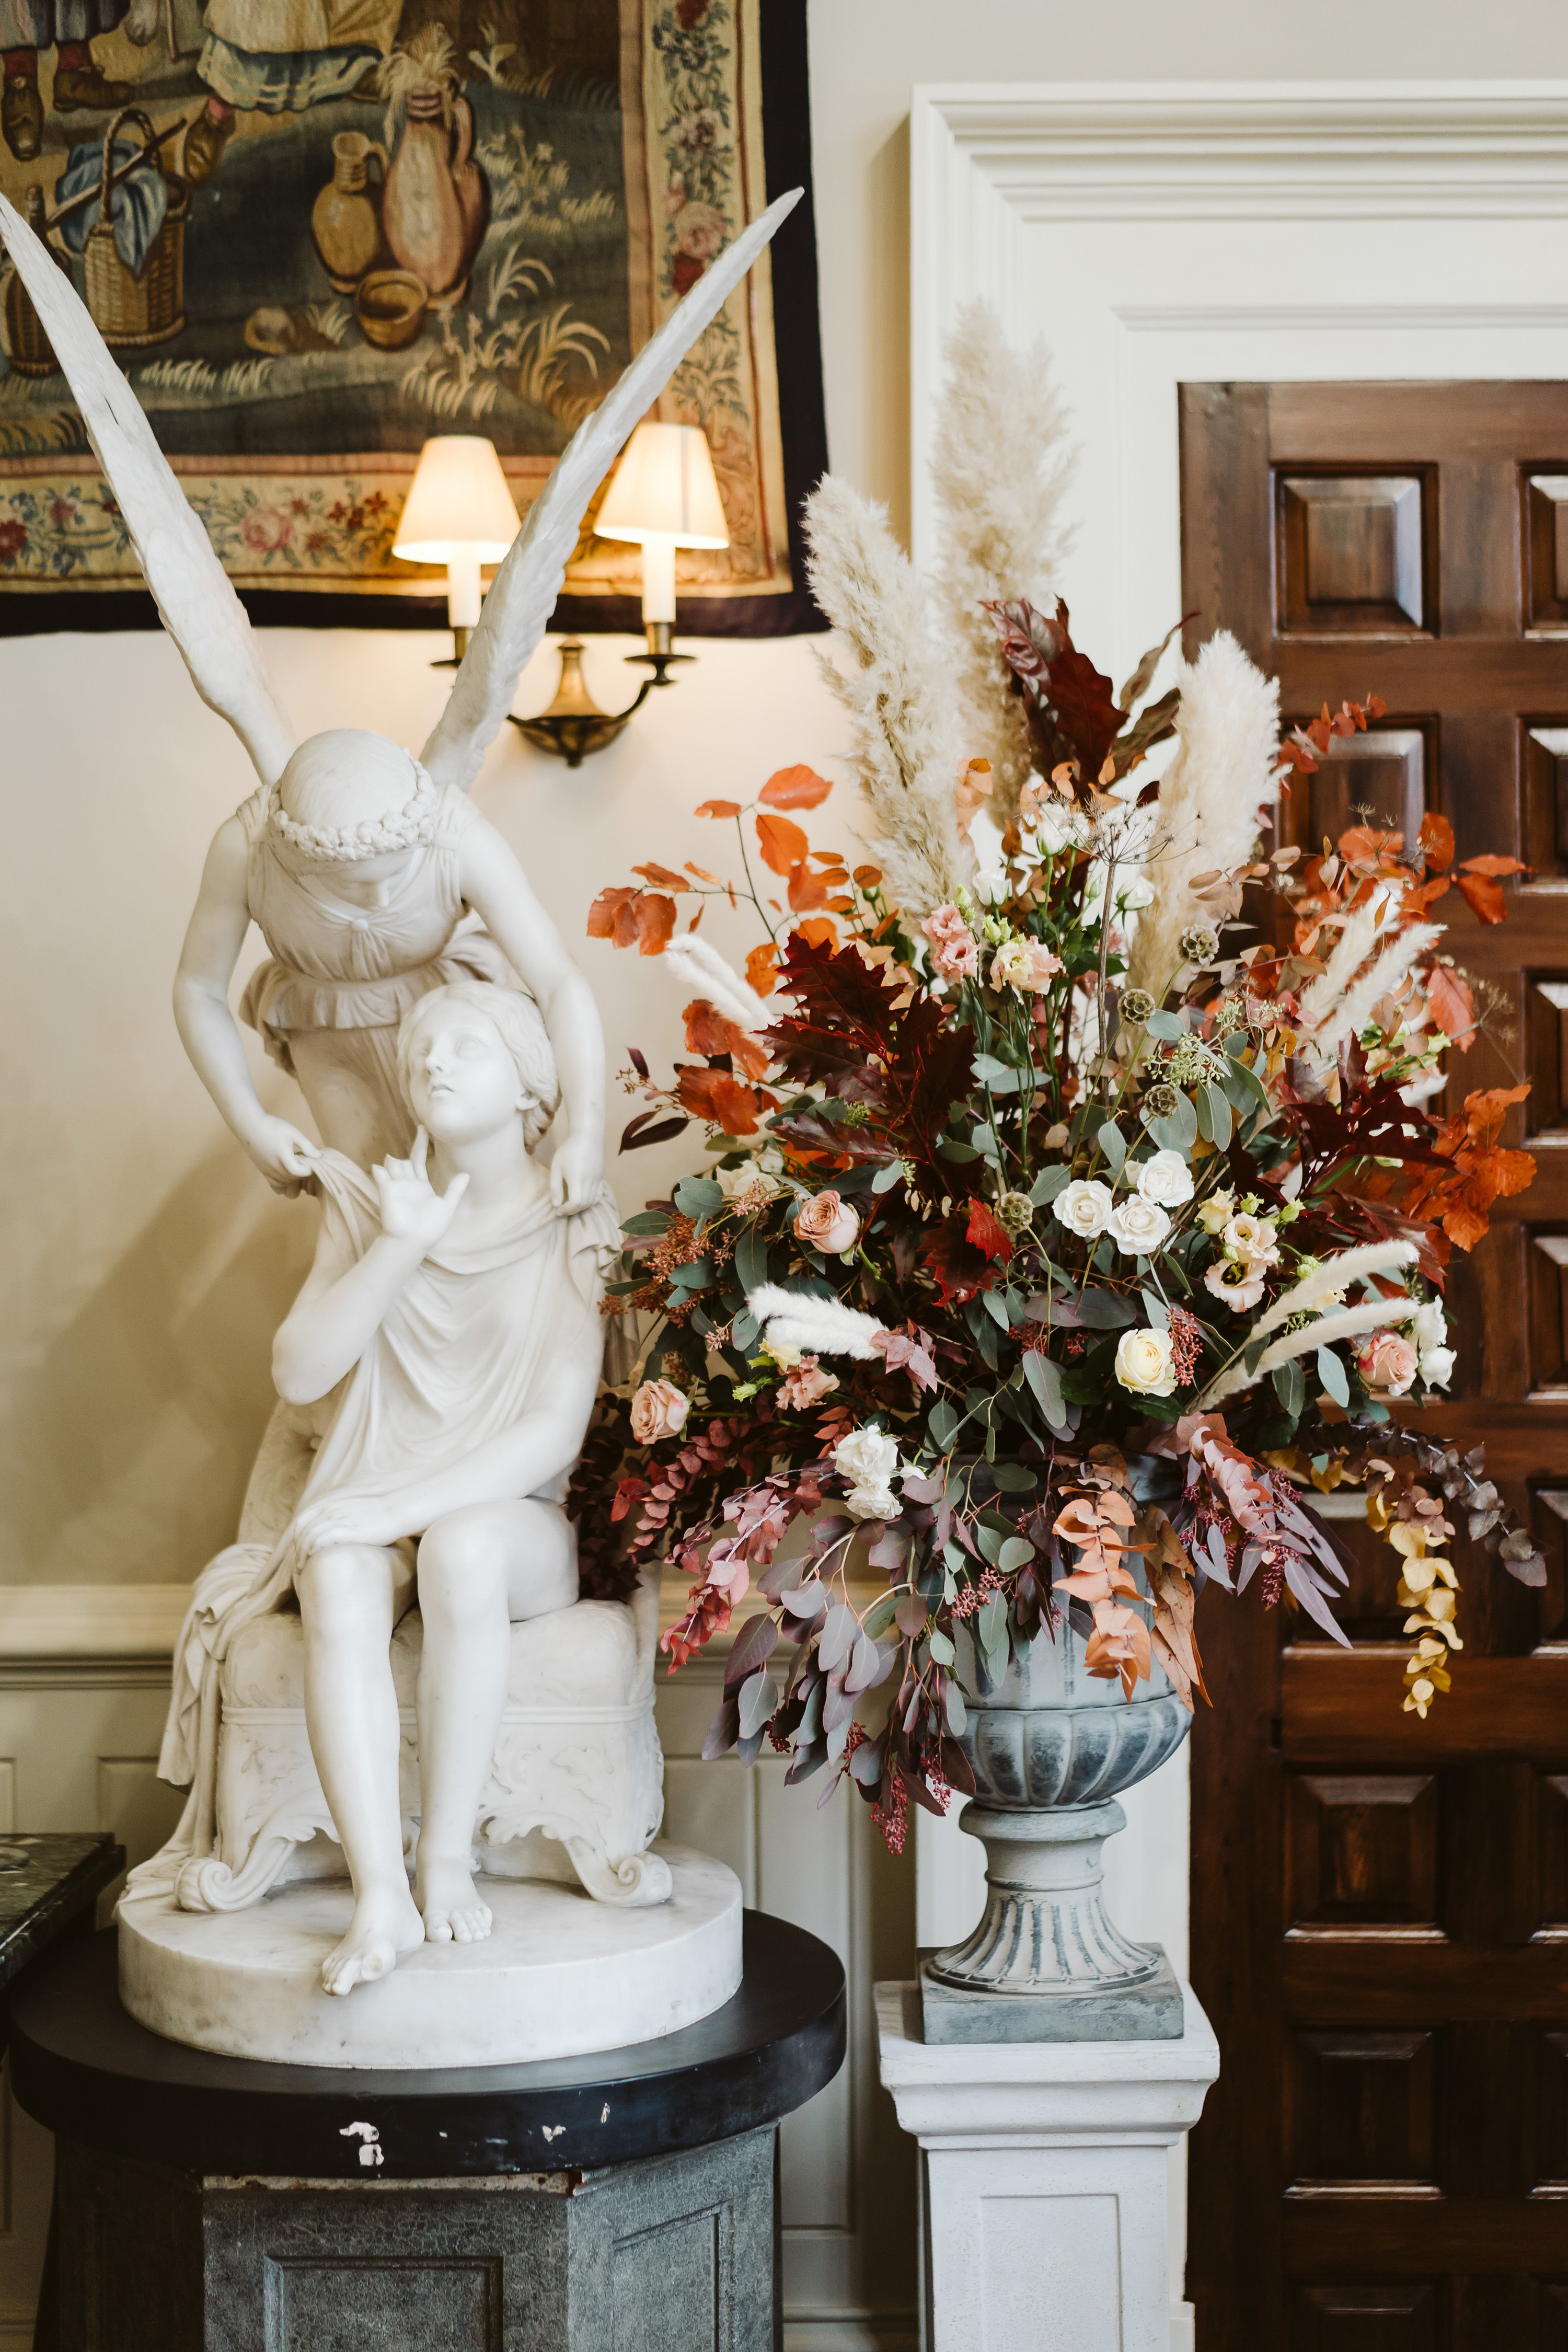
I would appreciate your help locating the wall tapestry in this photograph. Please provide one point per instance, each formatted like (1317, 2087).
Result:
(333, 228)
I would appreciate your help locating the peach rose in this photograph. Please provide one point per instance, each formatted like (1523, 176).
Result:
(658, 1410)
(953, 950)
(1386, 1362)
(1025, 965)
(826, 1224)
(806, 1383)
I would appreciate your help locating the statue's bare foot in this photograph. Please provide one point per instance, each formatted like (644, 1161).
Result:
(446, 1893)
(385, 1926)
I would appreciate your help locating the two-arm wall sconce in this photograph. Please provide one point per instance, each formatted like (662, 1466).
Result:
(663, 495)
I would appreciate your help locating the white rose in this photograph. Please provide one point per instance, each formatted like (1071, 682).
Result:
(1166, 1179)
(736, 1182)
(1138, 1226)
(1143, 1362)
(871, 1458)
(1438, 1367)
(1216, 1211)
(1084, 1208)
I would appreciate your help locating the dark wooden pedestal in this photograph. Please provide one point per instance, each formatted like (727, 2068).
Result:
(625, 2202)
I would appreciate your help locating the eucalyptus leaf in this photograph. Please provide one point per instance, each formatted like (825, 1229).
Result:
(1290, 1386)
(1333, 1374)
(1045, 1377)
(943, 1423)
(646, 1221)
(1017, 1552)
(886, 1178)
(1049, 1183)
(940, 1649)
(953, 1709)
(751, 1259)
(1180, 1131)
(1113, 1146)
(995, 1306)
(1167, 1026)
(880, 1614)
(759, 1700)
(839, 1631)
(1220, 1115)
(743, 1331)
(1155, 1309)
(1106, 1310)
(696, 1195)
(1013, 1478)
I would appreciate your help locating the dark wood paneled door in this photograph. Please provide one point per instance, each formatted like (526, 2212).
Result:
(1380, 1907)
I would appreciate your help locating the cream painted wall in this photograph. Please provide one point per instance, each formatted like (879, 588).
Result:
(145, 1265)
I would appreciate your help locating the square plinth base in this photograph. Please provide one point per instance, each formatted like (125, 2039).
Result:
(674, 2251)
(1149, 2012)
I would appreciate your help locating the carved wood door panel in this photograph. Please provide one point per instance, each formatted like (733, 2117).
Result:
(1380, 1907)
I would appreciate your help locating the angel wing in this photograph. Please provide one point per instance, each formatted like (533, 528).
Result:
(194, 594)
(517, 609)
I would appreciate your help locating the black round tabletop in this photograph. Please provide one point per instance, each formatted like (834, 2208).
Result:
(80, 2066)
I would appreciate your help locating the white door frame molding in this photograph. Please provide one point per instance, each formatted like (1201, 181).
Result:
(1157, 233)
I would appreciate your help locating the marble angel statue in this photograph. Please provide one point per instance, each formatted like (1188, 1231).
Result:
(438, 1370)
(369, 872)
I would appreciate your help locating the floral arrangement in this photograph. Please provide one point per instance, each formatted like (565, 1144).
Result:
(1076, 1200)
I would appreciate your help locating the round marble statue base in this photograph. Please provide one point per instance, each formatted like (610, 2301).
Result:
(558, 1976)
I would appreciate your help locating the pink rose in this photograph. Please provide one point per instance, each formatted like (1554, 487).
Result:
(658, 1410)
(953, 947)
(805, 1384)
(266, 528)
(1386, 1360)
(826, 1223)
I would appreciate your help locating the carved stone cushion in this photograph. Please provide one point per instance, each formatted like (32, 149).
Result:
(575, 1786)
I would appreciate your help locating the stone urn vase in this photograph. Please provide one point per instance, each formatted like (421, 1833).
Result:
(433, 210)
(345, 219)
(1052, 1745)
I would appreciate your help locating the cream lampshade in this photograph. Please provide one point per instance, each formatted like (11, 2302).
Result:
(663, 494)
(460, 512)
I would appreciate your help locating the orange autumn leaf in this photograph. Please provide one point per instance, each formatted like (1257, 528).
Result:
(818, 931)
(653, 872)
(763, 968)
(715, 1096)
(782, 844)
(702, 874)
(708, 1032)
(797, 787)
(1453, 1006)
(1436, 841)
(656, 922)
(806, 889)
(1488, 862)
(613, 916)
(718, 808)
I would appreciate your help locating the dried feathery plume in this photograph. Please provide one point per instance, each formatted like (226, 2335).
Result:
(1335, 1274)
(1000, 467)
(817, 1327)
(1385, 977)
(1227, 732)
(1351, 951)
(1347, 1323)
(898, 694)
(696, 964)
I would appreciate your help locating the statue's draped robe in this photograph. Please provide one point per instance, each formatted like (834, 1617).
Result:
(469, 1349)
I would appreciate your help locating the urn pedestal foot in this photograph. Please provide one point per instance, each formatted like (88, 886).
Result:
(1046, 1963)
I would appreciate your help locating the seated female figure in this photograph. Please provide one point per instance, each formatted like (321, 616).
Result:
(451, 1322)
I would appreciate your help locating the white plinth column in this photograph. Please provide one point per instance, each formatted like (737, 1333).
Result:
(1042, 2181)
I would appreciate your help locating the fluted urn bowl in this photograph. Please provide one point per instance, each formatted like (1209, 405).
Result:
(1052, 1745)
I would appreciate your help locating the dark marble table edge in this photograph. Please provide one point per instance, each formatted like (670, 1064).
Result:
(49, 1899)
(82, 2067)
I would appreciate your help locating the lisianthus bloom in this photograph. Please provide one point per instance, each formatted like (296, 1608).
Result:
(826, 1222)
(1250, 1239)
(658, 1410)
(1238, 1281)
(1217, 1211)
(1429, 1330)
(953, 950)
(1138, 1226)
(805, 1384)
(1166, 1179)
(1387, 1362)
(868, 1457)
(1084, 1208)
(1025, 965)
(1144, 1362)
